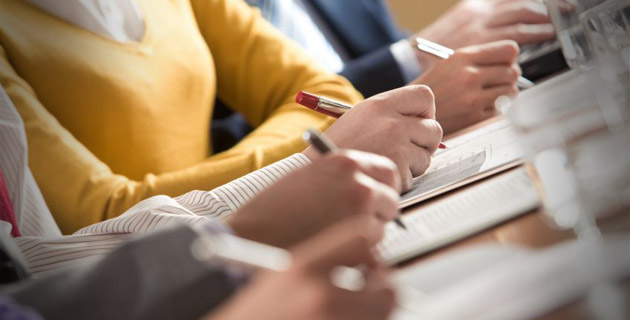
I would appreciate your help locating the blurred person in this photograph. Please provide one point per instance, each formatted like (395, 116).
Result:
(157, 277)
(117, 96)
(360, 40)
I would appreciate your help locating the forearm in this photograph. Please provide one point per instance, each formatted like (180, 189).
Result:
(155, 277)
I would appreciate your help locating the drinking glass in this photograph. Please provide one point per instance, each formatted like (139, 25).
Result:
(564, 16)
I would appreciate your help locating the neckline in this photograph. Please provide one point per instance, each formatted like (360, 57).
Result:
(144, 41)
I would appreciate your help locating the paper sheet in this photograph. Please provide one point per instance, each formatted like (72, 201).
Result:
(468, 158)
(459, 215)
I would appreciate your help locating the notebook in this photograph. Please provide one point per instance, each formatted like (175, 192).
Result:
(462, 214)
(475, 155)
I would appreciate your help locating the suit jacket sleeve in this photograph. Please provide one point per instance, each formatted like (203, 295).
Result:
(155, 277)
(374, 72)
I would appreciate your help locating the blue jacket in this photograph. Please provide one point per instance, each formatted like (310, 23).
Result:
(364, 29)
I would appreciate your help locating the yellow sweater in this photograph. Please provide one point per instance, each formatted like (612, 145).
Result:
(110, 124)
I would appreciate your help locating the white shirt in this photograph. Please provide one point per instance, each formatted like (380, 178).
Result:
(300, 22)
(42, 245)
(120, 20)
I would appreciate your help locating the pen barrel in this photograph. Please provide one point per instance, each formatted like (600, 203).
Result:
(332, 106)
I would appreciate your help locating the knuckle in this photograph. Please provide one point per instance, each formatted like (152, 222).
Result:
(514, 72)
(470, 76)
(510, 46)
(424, 92)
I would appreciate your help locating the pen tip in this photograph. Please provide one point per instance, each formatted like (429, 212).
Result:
(400, 223)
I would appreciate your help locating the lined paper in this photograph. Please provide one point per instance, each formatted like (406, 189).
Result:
(469, 157)
(459, 215)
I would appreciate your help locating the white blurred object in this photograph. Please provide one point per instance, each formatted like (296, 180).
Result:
(530, 285)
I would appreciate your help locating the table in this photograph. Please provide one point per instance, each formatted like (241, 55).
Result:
(531, 230)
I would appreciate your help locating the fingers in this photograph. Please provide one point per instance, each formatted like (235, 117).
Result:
(421, 159)
(499, 75)
(498, 52)
(526, 33)
(377, 167)
(412, 100)
(519, 12)
(425, 133)
(383, 200)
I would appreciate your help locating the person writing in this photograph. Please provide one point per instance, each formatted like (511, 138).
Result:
(141, 265)
(117, 101)
(360, 41)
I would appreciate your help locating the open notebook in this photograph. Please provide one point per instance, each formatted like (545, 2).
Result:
(469, 157)
(462, 214)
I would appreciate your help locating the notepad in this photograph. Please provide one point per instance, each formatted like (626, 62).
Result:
(467, 212)
(478, 154)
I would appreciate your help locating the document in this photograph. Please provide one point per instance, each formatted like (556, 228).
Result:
(469, 157)
(467, 212)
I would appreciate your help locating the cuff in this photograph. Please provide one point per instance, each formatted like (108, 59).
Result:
(406, 60)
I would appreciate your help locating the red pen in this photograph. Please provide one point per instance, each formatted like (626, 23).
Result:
(327, 106)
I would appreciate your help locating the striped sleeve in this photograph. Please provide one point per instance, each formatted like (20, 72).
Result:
(44, 255)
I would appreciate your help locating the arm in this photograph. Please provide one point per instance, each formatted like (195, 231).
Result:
(251, 82)
(259, 72)
(48, 254)
(155, 277)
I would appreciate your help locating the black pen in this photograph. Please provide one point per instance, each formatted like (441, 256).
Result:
(324, 146)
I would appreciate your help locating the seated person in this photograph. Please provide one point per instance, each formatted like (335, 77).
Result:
(117, 101)
(85, 276)
(359, 40)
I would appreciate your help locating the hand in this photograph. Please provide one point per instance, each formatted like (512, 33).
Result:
(473, 22)
(305, 291)
(398, 124)
(467, 84)
(333, 187)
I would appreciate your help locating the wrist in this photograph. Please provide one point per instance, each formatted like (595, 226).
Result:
(426, 60)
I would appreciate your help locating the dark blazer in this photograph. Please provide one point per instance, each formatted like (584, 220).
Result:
(364, 29)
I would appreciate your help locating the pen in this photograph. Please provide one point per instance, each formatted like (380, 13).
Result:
(327, 106)
(245, 257)
(324, 146)
(444, 53)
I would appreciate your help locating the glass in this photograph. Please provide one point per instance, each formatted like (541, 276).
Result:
(564, 16)
(607, 28)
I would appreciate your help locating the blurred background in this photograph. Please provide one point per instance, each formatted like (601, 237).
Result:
(413, 15)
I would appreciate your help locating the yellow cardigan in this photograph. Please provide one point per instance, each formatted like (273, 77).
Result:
(110, 124)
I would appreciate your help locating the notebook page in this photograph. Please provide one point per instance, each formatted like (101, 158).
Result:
(468, 158)
(459, 215)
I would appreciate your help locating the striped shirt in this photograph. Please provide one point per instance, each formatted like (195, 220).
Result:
(45, 249)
